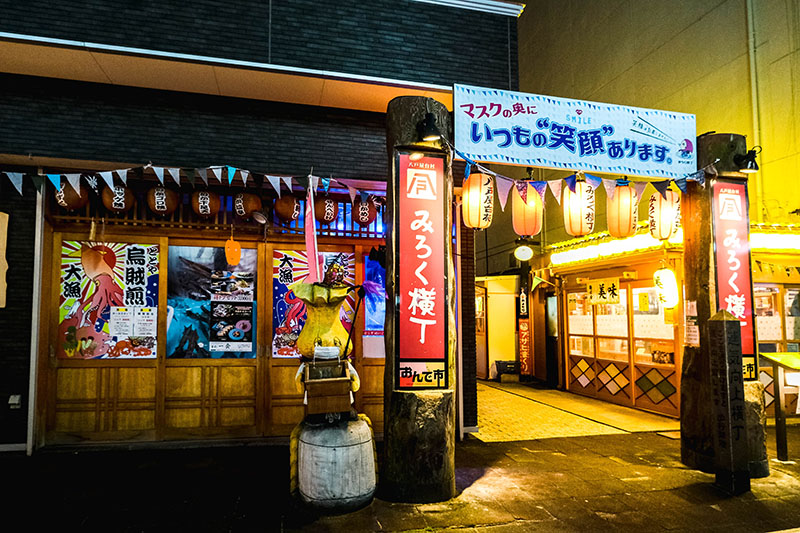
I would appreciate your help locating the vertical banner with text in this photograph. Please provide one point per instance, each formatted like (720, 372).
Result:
(422, 275)
(732, 254)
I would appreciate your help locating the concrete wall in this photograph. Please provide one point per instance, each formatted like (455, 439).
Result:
(689, 56)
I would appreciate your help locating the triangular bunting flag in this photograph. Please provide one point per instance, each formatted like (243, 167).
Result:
(91, 180)
(288, 182)
(364, 196)
(661, 186)
(611, 188)
(522, 189)
(123, 175)
(217, 171)
(503, 188)
(313, 181)
(159, 174)
(231, 172)
(681, 184)
(555, 188)
(541, 187)
(55, 179)
(640, 186)
(16, 180)
(798, 269)
(275, 181)
(353, 192)
(203, 173)
(303, 181)
(108, 177)
(326, 183)
(570, 181)
(192, 176)
(74, 181)
(38, 181)
(593, 181)
(245, 174)
(176, 175)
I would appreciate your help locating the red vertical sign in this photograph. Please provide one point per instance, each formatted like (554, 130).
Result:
(421, 274)
(732, 253)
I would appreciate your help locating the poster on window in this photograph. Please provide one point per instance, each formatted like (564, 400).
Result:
(211, 306)
(108, 300)
(289, 268)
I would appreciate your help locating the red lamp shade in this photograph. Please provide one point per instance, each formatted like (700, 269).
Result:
(326, 210)
(621, 211)
(162, 201)
(287, 208)
(527, 216)
(477, 201)
(117, 199)
(364, 212)
(664, 214)
(205, 204)
(67, 198)
(578, 209)
(245, 203)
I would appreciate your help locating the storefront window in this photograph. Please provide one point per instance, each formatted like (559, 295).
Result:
(211, 306)
(583, 346)
(792, 314)
(768, 319)
(374, 308)
(580, 314)
(616, 349)
(654, 338)
(612, 319)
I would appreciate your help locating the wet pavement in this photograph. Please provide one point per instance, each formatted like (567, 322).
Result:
(620, 481)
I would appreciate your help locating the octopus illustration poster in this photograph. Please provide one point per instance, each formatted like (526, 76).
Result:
(108, 303)
(211, 311)
(289, 268)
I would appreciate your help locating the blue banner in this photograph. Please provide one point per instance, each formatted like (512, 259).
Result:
(514, 128)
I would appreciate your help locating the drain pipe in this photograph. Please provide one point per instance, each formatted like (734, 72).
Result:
(754, 107)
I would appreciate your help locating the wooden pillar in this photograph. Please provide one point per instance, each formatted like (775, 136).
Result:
(419, 424)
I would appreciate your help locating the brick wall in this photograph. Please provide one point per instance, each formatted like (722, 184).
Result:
(397, 39)
(15, 318)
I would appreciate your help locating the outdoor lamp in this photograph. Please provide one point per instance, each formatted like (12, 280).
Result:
(523, 251)
(578, 209)
(747, 163)
(621, 210)
(427, 129)
(477, 200)
(259, 217)
(664, 213)
(666, 287)
(526, 216)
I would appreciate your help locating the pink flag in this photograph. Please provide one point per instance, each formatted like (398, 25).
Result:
(314, 270)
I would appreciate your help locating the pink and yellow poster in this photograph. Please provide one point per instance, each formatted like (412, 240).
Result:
(108, 306)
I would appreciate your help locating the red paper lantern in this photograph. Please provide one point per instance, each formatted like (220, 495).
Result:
(364, 212)
(205, 204)
(245, 203)
(117, 199)
(578, 209)
(162, 201)
(326, 210)
(527, 216)
(287, 208)
(67, 198)
(664, 214)
(477, 201)
(621, 211)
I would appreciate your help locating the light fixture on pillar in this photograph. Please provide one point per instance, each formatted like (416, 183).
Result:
(477, 200)
(621, 210)
(578, 209)
(747, 162)
(416, 156)
(523, 251)
(664, 213)
(666, 287)
(428, 131)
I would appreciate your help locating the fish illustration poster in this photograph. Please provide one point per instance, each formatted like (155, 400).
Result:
(108, 300)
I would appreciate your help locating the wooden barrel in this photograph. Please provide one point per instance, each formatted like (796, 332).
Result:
(336, 464)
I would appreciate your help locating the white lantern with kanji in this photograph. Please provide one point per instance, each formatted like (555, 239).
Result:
(666, 287)
(664, 214)
(621, 211)
(578, 209)
(477, 201)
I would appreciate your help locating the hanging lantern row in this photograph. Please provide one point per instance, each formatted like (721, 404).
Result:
(163, 201)
(578, 209)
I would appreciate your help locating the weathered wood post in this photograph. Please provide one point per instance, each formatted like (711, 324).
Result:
(717, 275)
(419, 377)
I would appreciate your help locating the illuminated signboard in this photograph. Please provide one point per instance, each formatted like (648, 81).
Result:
(732, 253)
(421, 276)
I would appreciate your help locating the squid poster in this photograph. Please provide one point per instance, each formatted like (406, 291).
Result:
(289, 268)
(108, 301)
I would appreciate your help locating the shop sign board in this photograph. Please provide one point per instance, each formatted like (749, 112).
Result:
(525, 362)
(731, 225)
(421, 277)
(544, 131)
(603, 291)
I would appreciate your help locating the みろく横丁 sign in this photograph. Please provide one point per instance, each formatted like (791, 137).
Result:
(544, 131)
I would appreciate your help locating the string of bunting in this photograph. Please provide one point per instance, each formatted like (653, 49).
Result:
(764, 266)
(504, 183)
(221, 173)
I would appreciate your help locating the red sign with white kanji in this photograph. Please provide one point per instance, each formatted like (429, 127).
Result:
(421, 274)
(732, 251)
